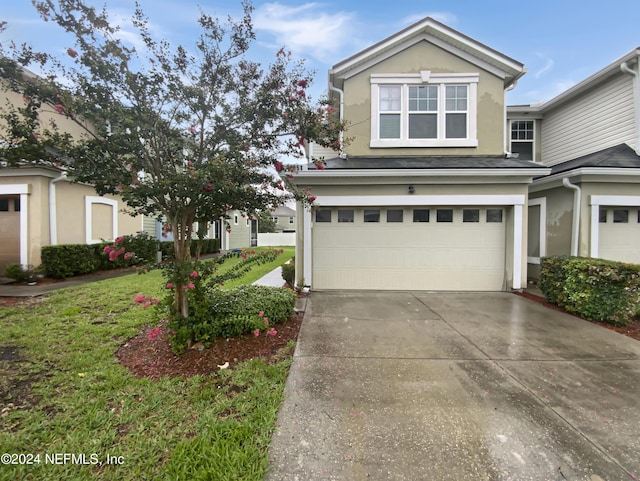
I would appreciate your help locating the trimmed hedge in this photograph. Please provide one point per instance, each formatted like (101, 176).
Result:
(595, 289)
(66, 260)
(234, 313)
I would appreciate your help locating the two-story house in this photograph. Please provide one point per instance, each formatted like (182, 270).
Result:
(425, 196)
(589, 205)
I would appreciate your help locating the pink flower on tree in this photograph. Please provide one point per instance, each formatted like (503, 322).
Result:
(208, 187)
(256, 333)
(169, 285)
(72, 53)
(266, 322)
(194, 274)
(191, 285)
(59, 108)
(119, 240)
(107, 249)
(302, 83)
(261, 314)
(278, 165)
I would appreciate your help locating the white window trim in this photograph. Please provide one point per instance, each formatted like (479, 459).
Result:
(533, 141)
(23, 191)
(542, 202)
(88, 203)
(425, 78)
(606, 200)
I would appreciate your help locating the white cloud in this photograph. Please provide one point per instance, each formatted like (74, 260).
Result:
(442, 17)
(306, 29)
(547, 66)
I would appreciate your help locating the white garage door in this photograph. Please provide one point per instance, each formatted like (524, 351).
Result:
(421, 248)
(619, 236)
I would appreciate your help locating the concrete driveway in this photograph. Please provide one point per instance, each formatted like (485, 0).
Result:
(456, 386)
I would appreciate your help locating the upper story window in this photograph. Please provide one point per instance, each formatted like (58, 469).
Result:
(424, 110)
(522, 138)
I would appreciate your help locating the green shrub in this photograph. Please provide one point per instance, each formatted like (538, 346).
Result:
(595, 289)
(19, 273)
(234, 313)
(65, 260)
(289, 272)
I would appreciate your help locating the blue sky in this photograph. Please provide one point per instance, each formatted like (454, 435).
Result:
(561, 42)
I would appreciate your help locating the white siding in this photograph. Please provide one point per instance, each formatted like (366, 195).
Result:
(601, 118)
(320, 152)
(149, 225)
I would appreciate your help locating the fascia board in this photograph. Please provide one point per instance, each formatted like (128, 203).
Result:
(504, 172)
(587, 171)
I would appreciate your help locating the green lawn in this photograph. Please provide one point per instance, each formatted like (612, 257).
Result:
(69, 394)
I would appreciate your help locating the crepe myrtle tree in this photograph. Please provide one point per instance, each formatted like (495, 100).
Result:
(185, 134)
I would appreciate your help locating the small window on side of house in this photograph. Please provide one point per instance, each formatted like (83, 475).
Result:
(372, 215)
(444, 215)
(394, 215)
(602, 215)
(323, 215)
(494, 215)
(235, 219)
(420, 215)
(471, 215)
(620, 216)
(291, 219)
(4, 205)
(345, 215)
(247, 222)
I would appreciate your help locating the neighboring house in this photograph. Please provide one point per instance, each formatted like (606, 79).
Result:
(242, 232)
(425, 196)
(284, 218)
(39, 206)
(589, 135)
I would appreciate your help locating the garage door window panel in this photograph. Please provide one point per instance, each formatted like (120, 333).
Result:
(372, 215)
(323, 215)
(620, 216)
(494, 215)
(346, 216)
(420, 215)
(471, 215)
(4, 205)
(444, 215)
(395, 215)
(602, 216)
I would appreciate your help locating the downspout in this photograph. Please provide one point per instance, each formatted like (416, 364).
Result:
(341, 95)
(507, 153)
(53, 218)
(624, 67)
(575, 227)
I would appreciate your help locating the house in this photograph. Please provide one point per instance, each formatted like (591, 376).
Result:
(284, 218)
(40, 206)
(589, 205)
(426, 195)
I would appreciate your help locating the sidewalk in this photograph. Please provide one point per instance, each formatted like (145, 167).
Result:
(272, 279)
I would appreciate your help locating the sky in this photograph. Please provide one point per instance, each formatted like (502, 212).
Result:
(560, 42)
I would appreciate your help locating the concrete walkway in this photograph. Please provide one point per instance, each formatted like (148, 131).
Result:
(446, 386)
(272, 279)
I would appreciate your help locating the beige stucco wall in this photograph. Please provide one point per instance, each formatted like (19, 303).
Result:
(559, 219)
(419, 57)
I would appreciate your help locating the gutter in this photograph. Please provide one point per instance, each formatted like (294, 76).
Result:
(575, 226)
(624, 67)
(53, 218)
(507, 152)
(341, 95)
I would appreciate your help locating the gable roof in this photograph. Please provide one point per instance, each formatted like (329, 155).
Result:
(439, 34)
(284, 211)
(620, 156)
(630, 58)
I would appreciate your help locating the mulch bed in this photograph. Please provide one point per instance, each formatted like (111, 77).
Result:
(155, 359)
(631, 330)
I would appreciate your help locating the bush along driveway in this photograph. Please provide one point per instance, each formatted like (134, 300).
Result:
(71, 410)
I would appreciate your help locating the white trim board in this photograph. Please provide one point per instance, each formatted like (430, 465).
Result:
(89, 200)
(517, 201)
(410, 200)
(23, 191)
(542, 202)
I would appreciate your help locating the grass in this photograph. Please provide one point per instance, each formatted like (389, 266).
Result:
(65, 392)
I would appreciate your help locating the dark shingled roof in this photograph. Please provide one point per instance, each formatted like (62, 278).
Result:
(443, 162)
(621, 156)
